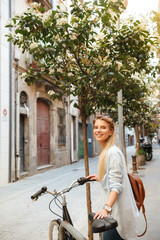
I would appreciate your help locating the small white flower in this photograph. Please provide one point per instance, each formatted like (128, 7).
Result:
(20, 37)
(70, 74)
(73, 36)
(28, 29)
(99, 36)
(132, 64)
(40, 15)
(51, 71)
(108, 51)
(59, 70)
(152, 84)
(35, 5)
(112, 13)
(142, 26)
(51, 92)
(46, 16)
(62, 21)
(108, 63)
(23, 75)
(119, 65)
(141, 38)
(31, 10)
(34, 45)
(75, 24)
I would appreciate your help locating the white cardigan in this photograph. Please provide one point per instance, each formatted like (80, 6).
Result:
(124, 209)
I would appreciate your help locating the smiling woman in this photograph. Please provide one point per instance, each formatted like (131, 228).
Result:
(117, 197)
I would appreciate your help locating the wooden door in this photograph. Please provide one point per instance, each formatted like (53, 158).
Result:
(43, 133)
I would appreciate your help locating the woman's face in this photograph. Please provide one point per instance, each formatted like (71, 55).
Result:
(101, 130)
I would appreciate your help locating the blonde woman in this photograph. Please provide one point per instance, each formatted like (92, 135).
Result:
(117, 197)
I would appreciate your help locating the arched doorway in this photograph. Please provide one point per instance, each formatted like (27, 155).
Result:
(43, 133)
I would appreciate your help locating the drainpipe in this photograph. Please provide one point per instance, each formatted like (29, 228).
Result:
(17, 121)
(10, 100)
(17, 136)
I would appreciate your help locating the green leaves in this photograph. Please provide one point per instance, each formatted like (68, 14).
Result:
(85, 54)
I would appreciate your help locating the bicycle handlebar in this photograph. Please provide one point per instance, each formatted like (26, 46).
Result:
(37, 194)
(84, 180)
(80, 181)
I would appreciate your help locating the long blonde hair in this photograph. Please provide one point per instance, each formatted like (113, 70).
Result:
(109, 143)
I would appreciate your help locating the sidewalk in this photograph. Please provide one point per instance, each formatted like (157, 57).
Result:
(150, 175)
(23, 220)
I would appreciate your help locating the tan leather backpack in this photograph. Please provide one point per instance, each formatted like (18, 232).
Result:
(139, 195)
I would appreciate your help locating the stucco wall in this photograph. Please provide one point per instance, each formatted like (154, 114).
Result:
(4, 95)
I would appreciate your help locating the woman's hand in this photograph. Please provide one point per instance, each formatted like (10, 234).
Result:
(101, 214)
(92, 177)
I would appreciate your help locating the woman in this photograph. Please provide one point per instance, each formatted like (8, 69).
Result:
(117, 196)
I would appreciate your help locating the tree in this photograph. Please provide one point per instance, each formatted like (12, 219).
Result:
(139, 105)
(83, 52)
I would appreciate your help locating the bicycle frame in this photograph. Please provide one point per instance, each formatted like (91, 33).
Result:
(66, 216)
(75, 234)
(67, 224)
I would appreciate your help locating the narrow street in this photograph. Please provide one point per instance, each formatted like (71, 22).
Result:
(22, 219)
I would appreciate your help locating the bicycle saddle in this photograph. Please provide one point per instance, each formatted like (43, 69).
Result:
(103, 224)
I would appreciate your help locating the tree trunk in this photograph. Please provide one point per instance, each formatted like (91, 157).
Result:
(88, 192)
(137, 139)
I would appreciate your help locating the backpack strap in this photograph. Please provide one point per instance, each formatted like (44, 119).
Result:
(143, 210)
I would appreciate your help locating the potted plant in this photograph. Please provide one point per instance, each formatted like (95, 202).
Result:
(141, 157)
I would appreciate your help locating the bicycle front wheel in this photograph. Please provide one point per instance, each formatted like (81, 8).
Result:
(54, 230)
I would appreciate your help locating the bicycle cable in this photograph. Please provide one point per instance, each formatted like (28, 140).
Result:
(56, 198)
(52, 210)
(57, 203)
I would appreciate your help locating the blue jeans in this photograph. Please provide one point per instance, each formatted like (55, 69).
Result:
(111, 235)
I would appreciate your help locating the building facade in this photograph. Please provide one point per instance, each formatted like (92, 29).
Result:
(36, 133)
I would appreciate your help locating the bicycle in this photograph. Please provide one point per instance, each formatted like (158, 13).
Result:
(62, 228)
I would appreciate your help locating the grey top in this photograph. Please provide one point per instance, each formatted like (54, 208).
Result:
(124, 210)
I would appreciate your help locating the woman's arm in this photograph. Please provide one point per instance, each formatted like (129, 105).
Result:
(110, 202)
(112, 198)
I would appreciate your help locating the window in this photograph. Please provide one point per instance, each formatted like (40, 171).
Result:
(23, 99)
(61, 126)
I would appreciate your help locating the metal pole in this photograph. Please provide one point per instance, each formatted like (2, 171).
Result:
(120, 107)
(120, 120)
